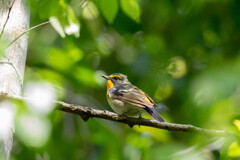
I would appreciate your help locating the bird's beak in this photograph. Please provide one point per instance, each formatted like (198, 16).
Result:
(106, 77)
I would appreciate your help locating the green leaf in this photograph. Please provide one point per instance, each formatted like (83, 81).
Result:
(57, 26)
(224, 153)
(109, 9)
(90, 11)
(234, 150)
(237, 124)
(131, 8)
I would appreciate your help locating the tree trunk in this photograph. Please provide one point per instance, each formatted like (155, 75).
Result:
(14, 19)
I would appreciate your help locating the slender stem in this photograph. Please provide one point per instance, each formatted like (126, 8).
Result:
(26, 32)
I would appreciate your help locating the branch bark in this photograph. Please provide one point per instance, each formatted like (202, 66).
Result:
(87, 112)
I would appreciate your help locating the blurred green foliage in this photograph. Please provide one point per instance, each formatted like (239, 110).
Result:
(184, 54)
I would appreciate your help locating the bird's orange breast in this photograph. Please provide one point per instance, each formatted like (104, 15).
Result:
(109, 84)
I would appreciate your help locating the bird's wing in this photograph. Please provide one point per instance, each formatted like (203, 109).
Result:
(132, 95)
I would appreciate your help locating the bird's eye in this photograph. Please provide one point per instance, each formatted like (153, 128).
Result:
(115, 78)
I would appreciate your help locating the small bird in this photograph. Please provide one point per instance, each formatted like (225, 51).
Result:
(128, 100)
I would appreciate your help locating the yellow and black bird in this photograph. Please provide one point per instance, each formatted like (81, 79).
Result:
(128, 100)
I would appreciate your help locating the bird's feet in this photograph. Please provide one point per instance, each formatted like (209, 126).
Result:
(140, 117)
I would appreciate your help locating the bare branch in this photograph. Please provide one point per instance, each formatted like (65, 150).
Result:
(87, 112)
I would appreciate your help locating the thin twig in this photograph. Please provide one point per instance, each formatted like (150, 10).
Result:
(26, 32)
(82, 2)
(87, 112)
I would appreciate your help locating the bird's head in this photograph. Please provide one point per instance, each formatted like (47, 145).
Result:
(115, 78)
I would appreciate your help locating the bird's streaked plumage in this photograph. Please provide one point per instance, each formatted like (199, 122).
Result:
(126, 99)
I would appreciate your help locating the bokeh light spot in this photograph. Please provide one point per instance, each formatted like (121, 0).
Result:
(177, 68)
(32, 130)
(7, 113)
(41, 97)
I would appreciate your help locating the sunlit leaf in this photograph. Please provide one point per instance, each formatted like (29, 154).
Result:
(90, 11)
(109, 9)
(131, 8)
(57, 26)
(222, 113)
(66, 22)
(237, 124)
(234, 150)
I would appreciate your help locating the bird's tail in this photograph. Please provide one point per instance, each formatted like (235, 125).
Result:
(154, 113)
